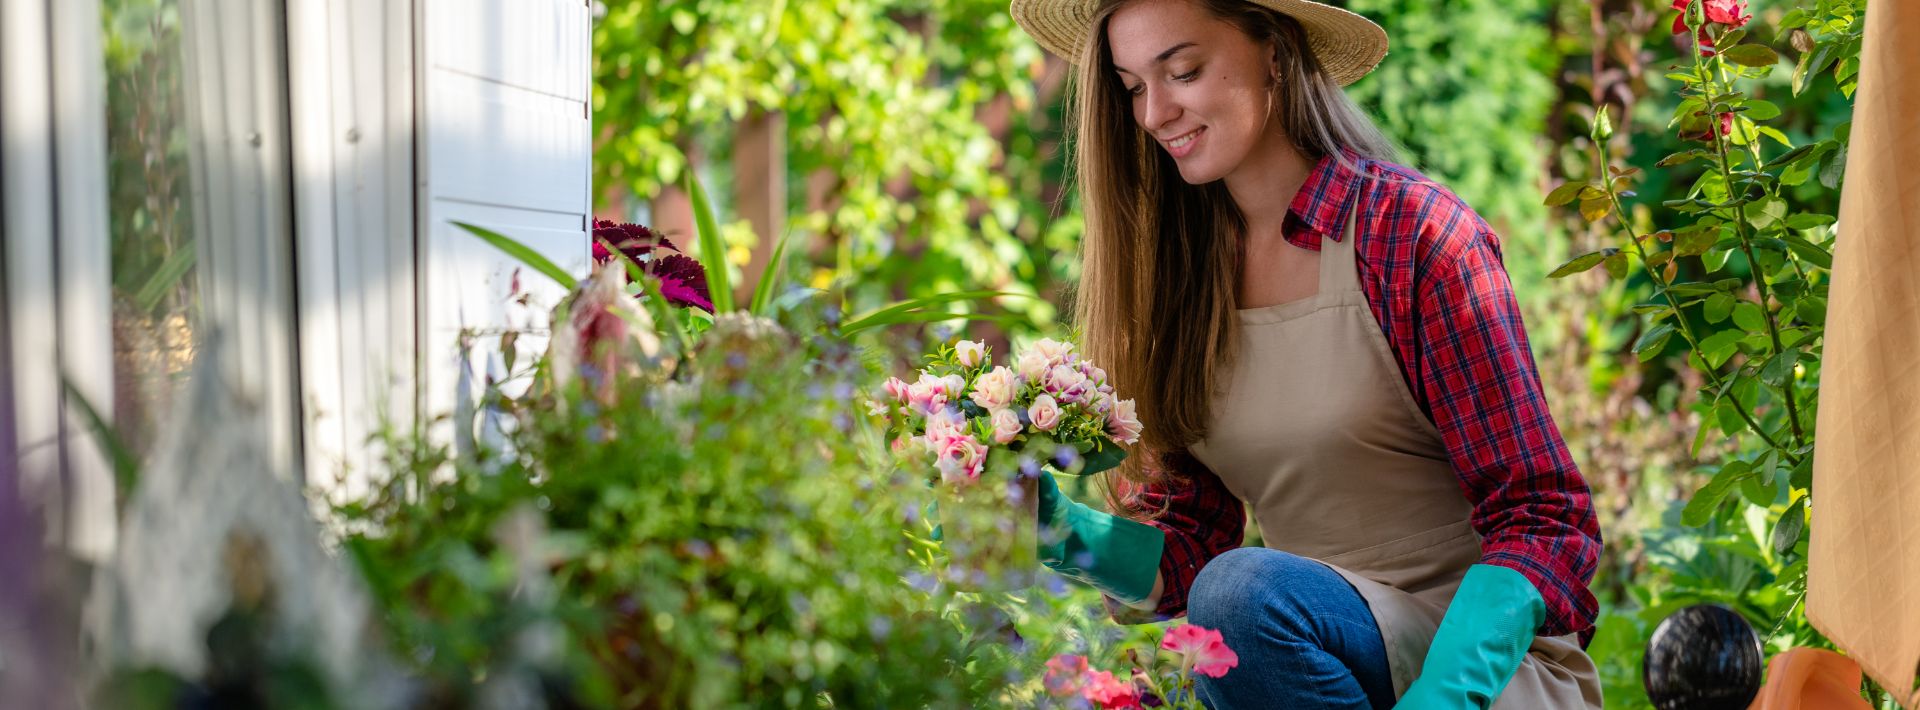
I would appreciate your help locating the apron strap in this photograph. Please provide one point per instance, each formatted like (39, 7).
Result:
(1338, 272)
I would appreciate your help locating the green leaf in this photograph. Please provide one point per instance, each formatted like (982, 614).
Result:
(1595, 208)
(1704, 502)
(1776, 135)
(126, 465)
(1833, 168)
(1693, 242)
(1564, 194)
(1793, 522)
(917, 317)
(164, 278)
(1720, 346)
(1792, 155)
(1718, 306)
(1766, 212)
(1748, 316)
(1753, 55)
(1808, 251)
(1761, 109)
(1779, 370)
(770, 276)
(912, 304)
(1104, 455)
(1652, 341)
(1617, 264)
(713, 252)
(1583, 262)
(523, 253)
(1713, 259)
(1809, 220)
(1812, 310)
(1679, 158)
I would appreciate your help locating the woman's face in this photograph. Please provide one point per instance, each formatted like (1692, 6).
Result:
(1199, 86)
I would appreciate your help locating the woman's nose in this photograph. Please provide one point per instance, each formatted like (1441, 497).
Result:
(1158, 109)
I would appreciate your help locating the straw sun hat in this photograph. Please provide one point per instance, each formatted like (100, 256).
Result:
(1347, 45)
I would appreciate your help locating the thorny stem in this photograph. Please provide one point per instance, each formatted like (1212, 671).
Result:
(1679, 317)
(1746, 243)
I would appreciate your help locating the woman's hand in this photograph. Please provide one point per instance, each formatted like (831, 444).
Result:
(1118, 556)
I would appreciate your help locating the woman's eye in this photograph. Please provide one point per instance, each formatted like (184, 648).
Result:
(1187, 76)
(1136, 89)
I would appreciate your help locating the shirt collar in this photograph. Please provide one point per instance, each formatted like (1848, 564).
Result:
(1325, 197)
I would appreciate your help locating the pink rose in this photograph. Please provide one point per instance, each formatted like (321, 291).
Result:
(994, 389)
(1110, 692)
(1032, 366)
(1124, 424)
(1067, 384)
(1201, 649)
(961, 459)
(896, 389)
(1066, 675)
(954, 386)
(1054, 351)
(928, 394)
(1045, 413)
(969, 352)
(1006, 426)
(946, 425)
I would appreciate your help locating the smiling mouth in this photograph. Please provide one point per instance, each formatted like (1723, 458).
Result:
(1182, 141)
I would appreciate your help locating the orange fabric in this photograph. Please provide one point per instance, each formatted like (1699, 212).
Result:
(1863, 572)
(1811, 679)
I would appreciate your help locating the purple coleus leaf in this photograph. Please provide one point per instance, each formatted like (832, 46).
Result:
(683, 281)
(633, 240)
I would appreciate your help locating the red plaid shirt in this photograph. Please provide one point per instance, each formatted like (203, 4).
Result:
(1432, 273)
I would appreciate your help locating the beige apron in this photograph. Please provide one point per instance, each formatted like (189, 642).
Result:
(1316, 429)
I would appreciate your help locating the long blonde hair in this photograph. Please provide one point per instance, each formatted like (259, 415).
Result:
(1161, 258)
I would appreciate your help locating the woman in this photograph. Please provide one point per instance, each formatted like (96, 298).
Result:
(1328, 337)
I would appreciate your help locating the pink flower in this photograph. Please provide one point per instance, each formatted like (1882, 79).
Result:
(1006, 426)
(928, 394)
(1067, 384)
(994, 389)
(1124, 425)
(969, 352)
(1201, 649)
(1045, 413)
(953, 386)
(896, 389)
(1032, 366)
(1110, 692)
(961, 459)
(946, 425)
(1066, 675)
(1053, 351)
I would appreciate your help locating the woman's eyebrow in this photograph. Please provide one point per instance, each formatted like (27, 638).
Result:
(1163, 56)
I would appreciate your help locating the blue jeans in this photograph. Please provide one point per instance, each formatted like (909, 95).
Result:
(1305, 637)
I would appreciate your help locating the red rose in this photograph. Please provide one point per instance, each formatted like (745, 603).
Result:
(1697, 128)
(1730, 13)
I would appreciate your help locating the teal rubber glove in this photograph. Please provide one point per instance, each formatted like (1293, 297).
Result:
(1481, 641)
(1118, 556)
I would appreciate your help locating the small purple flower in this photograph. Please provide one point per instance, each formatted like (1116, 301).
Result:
(1065, 457)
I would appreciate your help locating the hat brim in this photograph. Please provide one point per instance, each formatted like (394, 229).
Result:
(1347, 45)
